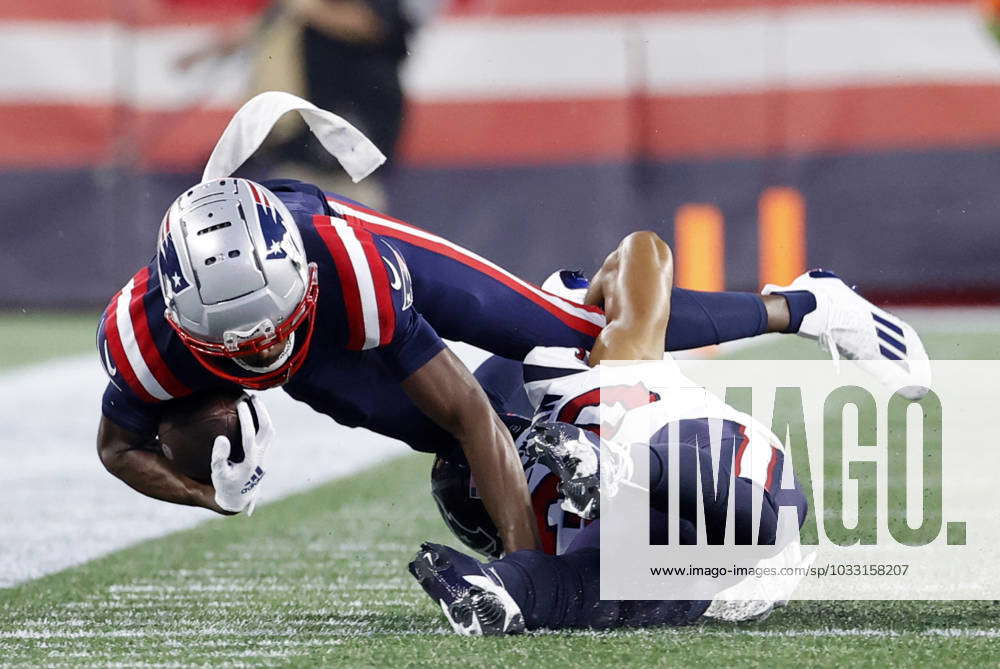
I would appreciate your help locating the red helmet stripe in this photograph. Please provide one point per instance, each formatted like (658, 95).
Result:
(253, 189)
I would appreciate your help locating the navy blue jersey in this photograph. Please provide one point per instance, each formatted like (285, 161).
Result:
(388, 292)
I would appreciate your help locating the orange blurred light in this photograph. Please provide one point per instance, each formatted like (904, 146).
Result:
(700, 248)
(781, 236)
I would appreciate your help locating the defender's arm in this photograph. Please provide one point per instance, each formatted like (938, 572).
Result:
(148, 472)
(445, 390)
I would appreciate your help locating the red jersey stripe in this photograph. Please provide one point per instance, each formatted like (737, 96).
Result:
(348, 281)
(741, 449)
(771, 466)
(380, 279)
(110, 309)
(144, 337)
(117, 351)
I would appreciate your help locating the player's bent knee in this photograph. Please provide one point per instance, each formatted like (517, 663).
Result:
(646, 241)
(646, 248)
(642, 238)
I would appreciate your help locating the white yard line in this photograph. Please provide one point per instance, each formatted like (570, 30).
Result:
(748, 629)
(743, 629)
(864, 632)
(59, 508)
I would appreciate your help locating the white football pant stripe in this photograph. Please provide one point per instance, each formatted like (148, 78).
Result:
(564, 305)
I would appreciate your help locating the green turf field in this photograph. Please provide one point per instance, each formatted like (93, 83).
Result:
(319, 579)
(31, 337)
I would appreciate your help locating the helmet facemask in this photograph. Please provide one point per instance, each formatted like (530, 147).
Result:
(235, 281)
(218, 358)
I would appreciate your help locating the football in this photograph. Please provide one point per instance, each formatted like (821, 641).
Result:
(189, 426)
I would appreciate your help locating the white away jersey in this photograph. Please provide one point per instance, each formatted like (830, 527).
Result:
(629, 403)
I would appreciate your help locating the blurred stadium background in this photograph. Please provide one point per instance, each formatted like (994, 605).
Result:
(759, 137)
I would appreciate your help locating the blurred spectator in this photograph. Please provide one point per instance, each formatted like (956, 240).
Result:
(352, 51)
(342, 55)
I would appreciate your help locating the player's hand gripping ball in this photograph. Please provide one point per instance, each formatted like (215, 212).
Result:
(236, 481)
(189, 426)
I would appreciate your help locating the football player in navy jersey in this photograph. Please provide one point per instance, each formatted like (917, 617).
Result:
(260, 285)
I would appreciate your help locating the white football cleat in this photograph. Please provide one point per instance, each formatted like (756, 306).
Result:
(848, 325)
(568, 284)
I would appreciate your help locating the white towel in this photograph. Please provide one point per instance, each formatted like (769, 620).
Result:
(253, 122)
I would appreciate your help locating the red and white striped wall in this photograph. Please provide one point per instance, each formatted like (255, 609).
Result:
(513, 82)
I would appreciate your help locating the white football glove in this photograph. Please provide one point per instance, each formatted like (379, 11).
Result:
(236, 482)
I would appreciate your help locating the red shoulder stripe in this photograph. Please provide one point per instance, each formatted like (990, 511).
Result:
(348, 281)
(380, 280)
(144, 337)
(117, 351)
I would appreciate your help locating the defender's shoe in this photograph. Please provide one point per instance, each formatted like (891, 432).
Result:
(472, 598)
(569, 284)
(848, 325)
(571, 454)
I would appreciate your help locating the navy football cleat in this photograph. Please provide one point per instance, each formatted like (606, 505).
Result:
(472, 598)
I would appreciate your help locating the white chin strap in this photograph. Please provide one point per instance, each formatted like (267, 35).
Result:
(279, 361)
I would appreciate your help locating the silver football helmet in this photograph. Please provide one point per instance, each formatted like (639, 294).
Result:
(235, 280)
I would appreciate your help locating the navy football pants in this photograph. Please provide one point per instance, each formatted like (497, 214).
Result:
(466, 298)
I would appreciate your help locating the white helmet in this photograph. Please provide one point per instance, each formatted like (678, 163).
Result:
(235, 280)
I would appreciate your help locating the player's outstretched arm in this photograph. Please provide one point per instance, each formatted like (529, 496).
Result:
(633, 287)
(148, 472)
(445, 390)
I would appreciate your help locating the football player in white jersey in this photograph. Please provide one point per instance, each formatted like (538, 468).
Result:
(532, 589)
